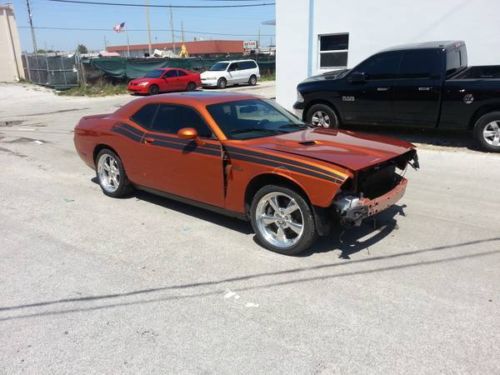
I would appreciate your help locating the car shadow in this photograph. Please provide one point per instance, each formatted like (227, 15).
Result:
(431, 137)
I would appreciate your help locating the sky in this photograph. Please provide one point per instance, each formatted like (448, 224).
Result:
(45, 13)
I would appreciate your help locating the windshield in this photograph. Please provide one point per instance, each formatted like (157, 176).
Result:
(218, 67)
(154, 74)
(253, 118)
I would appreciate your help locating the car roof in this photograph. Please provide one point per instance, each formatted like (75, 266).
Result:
(444, 44)
(192, 98)
(233, 61)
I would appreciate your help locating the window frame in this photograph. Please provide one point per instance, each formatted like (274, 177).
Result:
(320, 52)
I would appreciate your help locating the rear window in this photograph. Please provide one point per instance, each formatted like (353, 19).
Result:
(421, 64)
(456, 59)
(144, 116)
(247, 65)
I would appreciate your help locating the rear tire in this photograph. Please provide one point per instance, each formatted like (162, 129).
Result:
(253, 80)
(222, 83)
(487, 132)
(322, 116)
(111, 174)
(154, 90)
(191, 86)
(282, 220)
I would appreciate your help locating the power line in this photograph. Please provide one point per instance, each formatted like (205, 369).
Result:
(80, 2)
(133, 30)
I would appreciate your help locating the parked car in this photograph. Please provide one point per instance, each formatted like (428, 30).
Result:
(246, 157)
(235, 72)
(163, 80)
(425, 85)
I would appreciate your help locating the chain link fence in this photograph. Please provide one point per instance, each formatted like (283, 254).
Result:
(58, 72)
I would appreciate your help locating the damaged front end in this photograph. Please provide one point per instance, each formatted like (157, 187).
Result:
(373, 190)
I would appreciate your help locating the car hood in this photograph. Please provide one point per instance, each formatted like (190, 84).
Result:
(139, 80)
(328, 76)
(351, 150)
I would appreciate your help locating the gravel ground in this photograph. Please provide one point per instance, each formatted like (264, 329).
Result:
(91, 284)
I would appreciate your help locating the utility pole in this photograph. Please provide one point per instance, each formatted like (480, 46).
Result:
(149, 28)
(258, 39)
(105, 43)
(172, 28)
(182, 32)
(30, 15)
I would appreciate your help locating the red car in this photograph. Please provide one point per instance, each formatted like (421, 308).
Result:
(163, 80)
(249, 158)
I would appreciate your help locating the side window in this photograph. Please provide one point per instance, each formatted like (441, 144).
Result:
(247, 65)
(144, 116)
(233, 67)
(333, 51)
(171, 118)
(420, 64)
(180, 73)
(171, 74)
(383, 66)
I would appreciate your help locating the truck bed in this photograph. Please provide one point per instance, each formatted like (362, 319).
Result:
(479, 72)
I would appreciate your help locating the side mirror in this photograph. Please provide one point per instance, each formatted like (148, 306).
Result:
(357, 77)
(189, 133)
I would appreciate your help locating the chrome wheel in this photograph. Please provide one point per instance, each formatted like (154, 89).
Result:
(491, 133)
(321, 119)
(279, 220)
(109, 173)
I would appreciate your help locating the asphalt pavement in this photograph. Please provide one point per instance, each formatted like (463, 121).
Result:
(96, 285)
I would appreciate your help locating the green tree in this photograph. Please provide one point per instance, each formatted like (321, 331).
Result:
(82, 49)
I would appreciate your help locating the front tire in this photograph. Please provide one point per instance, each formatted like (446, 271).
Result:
(282, 220)
(322, 116)
(222, 83)
(111, 174)
(154, 90)
(487, 131)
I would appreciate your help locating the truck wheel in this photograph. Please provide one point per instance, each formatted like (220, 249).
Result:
(282, 220)
(111, 174)
(487, 131)
(322, 116)
(222, 83)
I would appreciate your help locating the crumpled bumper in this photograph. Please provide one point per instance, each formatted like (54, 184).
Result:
(352, 209)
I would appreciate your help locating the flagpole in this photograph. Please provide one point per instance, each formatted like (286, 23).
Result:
(128, 43)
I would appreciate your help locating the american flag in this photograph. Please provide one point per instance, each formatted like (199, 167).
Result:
(119, 27)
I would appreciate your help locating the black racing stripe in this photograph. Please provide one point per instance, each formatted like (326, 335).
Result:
(127, 134)
(183, 148)
(288, 167)
(284, 160)
(181, 141)
(132, 129)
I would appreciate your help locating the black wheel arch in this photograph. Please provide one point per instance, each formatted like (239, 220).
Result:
(98, 148)
(481, 111)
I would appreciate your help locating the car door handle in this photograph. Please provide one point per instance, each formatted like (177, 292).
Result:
(148, 140)
(424, 89)
(383, 88)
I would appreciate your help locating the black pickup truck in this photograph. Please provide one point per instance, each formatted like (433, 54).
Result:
(425, 85)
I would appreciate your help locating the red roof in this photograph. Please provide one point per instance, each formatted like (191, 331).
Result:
(198, 47)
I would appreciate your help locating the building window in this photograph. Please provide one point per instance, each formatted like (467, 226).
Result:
(333, 50)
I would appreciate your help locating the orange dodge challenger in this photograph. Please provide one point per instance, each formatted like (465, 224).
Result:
(246, 157)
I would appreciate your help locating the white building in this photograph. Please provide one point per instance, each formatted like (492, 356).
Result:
(314, 36)
(11, 66)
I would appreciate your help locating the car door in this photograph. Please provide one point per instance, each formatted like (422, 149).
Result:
(233, 73)
(368, 92)
(417, 91)
(171, 80)
(185, 168)
(183, 79)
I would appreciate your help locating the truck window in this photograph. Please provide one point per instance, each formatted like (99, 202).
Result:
(382, 66)
(456, 59)
(421, 64)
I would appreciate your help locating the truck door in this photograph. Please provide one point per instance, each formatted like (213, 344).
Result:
(367, 95)
(417, 91)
